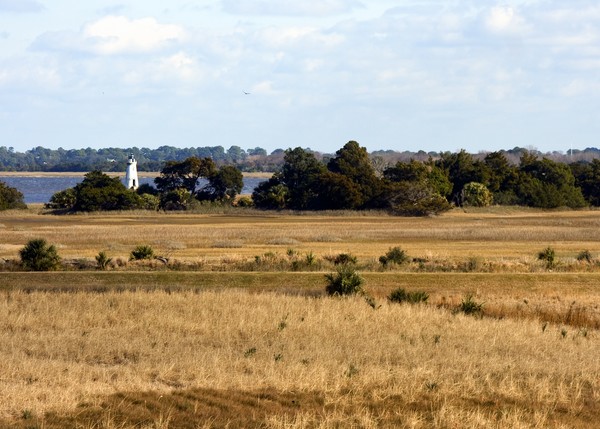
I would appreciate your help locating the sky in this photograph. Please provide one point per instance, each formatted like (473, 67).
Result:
(393, 75)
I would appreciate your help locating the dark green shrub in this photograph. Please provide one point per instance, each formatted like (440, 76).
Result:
(103, 260)
(10, 198)
(141, 252)
(400, 295)
(37, 255)
(244, 202)
(548, 255)
(344, 259)
(345, 281)
(395, 255)
(470, 306)
(65, 199)
(585, 256)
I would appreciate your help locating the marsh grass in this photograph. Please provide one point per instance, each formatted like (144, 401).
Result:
(503, 242)
(80, 357)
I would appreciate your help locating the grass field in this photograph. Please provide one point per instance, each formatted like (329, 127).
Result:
(202, 343)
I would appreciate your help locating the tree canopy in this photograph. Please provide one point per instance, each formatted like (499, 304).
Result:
(10, 198)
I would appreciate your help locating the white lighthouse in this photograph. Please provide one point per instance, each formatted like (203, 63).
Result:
(131, 176)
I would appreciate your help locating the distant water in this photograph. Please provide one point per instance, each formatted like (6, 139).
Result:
(41, 189)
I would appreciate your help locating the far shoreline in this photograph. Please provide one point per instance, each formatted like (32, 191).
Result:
(258, 175)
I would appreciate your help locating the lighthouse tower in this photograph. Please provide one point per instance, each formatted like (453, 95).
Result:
(131, 177)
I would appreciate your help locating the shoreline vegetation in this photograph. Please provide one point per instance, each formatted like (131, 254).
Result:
(111, 174)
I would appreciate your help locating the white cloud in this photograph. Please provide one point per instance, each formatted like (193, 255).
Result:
(505, 20)
(290, 7)
(285, 36)
(180, 65)
(117, 34)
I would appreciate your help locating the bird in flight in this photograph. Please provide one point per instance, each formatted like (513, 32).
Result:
(246, 93)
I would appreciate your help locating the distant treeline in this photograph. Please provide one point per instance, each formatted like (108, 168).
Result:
(246, 160)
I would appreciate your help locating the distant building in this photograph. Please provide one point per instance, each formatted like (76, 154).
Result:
(131, 176)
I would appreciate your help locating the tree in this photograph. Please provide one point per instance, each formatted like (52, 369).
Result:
(415, 199)
(476, 195)
(416, 172)
(271, 194)
(587, 177)
(502, 179)
(300, 175)
(337, 192)
(62, 200)
(547, 184)
(37, 255)
(10, 198)
(177, 199)
(223, 184)
(462, 169)
(100, 192)
(184, 174)
(353, 162)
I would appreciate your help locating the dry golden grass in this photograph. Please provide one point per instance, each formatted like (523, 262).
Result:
(146, 345)
(351, 366)
(505, 241)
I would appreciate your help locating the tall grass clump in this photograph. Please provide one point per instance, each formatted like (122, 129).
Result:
(38, 255)
(141, 252)
(345, 281)
(400, 296)
(395, 256)
(548, 255)
(470, 306)
(102, 260)
(585, 256)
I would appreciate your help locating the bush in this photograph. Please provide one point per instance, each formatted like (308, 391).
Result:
(476, 195)
(141, 252)
(395, 255)
(37, 255)
(345, 281)
(585, 256)
(64, 200)
(549, 256)
(103, 260)
(400, 296)
(244, 202)
(470, 306)
(10, 198)
(344, 259)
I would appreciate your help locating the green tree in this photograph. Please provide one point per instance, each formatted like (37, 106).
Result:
(177, 199)
(337, 192)
(462, 168)
(271, 194)
(416, 172)
(184, 174)
(476, 195)
(38, 255)
(415, 199)
(223, 184)
(502, 179)
(353, 161)
(10, 198)
(300, 175)
(100, 192)
(547, 184)
(587, 177)
(64, 199)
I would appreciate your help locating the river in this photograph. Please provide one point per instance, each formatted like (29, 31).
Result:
(39, 189)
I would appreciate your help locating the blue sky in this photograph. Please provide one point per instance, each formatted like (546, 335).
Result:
(401, 75)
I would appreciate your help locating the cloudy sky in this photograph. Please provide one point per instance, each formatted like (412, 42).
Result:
(401, 75)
